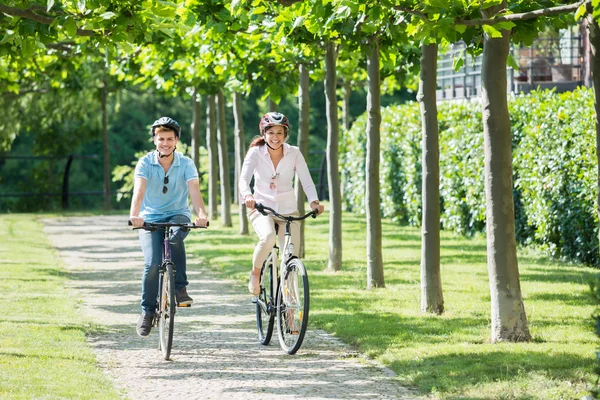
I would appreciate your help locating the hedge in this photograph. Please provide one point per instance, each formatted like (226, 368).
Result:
(554, 168)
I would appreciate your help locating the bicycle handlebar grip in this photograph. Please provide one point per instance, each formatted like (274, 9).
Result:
(260, 208)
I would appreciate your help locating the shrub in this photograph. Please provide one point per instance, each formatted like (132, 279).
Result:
(554, 169)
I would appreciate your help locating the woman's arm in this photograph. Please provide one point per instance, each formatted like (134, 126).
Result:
(245, 179)
(307, 184)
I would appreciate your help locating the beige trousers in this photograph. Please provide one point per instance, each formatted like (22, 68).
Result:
(264, 226)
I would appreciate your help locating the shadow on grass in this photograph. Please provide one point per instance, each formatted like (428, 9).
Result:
(460, 371)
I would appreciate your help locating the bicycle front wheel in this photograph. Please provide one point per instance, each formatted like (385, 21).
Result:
(292, 306)
(166, 311)
(265, 303)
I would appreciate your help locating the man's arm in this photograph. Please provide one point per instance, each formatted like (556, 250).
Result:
(139, 190)
(197, 202)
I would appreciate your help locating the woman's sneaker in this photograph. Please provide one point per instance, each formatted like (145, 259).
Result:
(144, 325)
(182, 298)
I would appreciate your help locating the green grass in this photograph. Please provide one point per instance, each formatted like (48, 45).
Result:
(43, 348)
(44, 354)
(446, 356)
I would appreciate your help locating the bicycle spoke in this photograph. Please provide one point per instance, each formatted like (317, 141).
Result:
(292, 307)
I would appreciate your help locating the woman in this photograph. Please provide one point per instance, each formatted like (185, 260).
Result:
(273, 163)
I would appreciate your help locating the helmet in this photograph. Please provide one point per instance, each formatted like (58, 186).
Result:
(167, 122)
(273, 119)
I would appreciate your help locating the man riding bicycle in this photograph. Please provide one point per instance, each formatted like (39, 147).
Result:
(163, 180)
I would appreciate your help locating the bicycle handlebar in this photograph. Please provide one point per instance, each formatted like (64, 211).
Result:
(157, 225)
(261, 209)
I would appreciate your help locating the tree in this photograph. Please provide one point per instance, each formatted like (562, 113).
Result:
(432, 299)
(223, 162)
(335, 196)
(211, 146)
(240, 152)
(509, 321)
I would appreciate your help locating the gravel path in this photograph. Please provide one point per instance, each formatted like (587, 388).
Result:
(216, 354)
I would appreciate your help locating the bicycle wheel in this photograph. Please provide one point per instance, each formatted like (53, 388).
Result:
(265, 302)
(166, 311)
(292, 306)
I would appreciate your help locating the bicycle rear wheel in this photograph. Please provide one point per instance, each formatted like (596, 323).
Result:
(292, 306)
(265, 302)
(166, 311)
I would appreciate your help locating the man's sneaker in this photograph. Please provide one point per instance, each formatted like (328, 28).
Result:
(144, 325)
(182, 298)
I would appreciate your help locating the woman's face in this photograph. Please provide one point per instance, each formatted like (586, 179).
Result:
(275, 136)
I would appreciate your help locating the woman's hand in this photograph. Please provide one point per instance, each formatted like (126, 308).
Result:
(318, 207)
(250, 202)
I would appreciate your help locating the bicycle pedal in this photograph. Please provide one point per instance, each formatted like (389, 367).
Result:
(184, 305)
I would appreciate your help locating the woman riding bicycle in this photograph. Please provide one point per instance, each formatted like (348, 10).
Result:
(273, 163)
(163, 180)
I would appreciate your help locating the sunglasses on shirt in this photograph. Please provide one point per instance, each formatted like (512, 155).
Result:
(165, 188)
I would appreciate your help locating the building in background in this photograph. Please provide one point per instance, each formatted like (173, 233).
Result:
(557, 59)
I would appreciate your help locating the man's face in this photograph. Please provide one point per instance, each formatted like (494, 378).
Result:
(165, 140)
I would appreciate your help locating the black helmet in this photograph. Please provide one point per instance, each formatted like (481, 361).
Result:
(168, 123)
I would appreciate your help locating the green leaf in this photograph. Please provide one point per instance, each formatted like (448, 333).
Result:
(27, 47)
(508, 25)
(491, 31)
(458, 62)
(70, 26)
(108, 15)
(460, 28)
(512, 62)
(49, 5)
(580, 12)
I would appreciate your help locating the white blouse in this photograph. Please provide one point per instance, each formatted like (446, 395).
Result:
(273, 186)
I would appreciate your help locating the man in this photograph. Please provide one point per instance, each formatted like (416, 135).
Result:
(163, 180)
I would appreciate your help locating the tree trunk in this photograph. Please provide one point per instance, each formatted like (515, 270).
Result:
(272, 105)
(335, 197)
(105, 145)
(373, 201)
(211, 147)
(303, 128)
(509, 322)
(224, 171)
(346, 106)
(197, 107)
(594, 36)
(240, 153)
(432, 299)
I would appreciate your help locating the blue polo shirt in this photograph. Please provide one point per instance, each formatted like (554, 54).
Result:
(157, 206)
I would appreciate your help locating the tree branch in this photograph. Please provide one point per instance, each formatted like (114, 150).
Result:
(27, 14)
(412, 12)
(288, 3)
(544, 12)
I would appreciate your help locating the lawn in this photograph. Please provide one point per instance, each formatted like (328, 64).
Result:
(446, 356)
(43, 348)
(44, 354)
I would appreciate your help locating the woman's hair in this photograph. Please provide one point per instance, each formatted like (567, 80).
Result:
(257, 141)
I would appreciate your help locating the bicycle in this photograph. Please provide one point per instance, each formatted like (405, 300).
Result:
(284, 292)
(164, 317)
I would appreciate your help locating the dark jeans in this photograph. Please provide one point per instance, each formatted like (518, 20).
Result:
(152, 247)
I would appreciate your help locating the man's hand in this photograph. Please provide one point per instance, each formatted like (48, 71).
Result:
(201, 221)
(136, 222)
(316, 206)
(250, 202)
